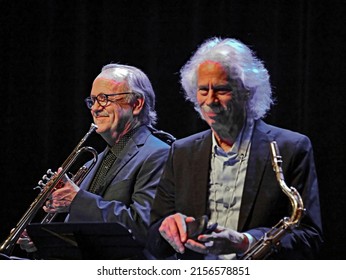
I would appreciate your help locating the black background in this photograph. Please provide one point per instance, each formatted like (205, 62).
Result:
(50, 52)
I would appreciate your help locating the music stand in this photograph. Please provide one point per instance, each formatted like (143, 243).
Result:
(84, 241)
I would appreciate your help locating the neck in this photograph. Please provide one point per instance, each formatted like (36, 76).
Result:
(226, 136)
(225, 143)
(115, 137)
(227, 132)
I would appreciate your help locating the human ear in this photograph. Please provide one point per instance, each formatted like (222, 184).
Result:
(138, 105)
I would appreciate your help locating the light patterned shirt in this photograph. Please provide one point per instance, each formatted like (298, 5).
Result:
(226, 181)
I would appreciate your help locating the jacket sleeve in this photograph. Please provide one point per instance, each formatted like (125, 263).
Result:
(164, 205)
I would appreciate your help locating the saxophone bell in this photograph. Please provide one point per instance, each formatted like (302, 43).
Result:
(270, 242)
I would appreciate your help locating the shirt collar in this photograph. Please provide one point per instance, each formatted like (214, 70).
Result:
(240, 145)
(120, 145)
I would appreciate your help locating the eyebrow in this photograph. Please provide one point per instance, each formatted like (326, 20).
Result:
(216, 87)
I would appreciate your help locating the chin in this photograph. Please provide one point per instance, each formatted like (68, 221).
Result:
(101, 128)
(209, 121)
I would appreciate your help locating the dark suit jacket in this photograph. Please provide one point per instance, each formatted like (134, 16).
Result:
(184, 188)
(129, 194)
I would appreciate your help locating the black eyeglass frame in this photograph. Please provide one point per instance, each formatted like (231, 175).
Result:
(90, 101)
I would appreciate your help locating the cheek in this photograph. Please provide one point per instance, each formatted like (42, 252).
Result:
(114, 116)
(200, 99)
(120, 116)
(227, 102)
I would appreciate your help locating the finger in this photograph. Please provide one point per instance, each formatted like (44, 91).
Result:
(67, 192)
(196, 246)
(24, 233)
(61, 205)
(206, 237)
(57, 205)
(172, 237)
(23, 241)
(189, 219)
(49, 209)
(64, 196)
(61, 197)
(180, 220)
(28, 246)
(169, 231)
(58, 193)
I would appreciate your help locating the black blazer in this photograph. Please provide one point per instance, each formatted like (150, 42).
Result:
(184, 188)
(130, 192)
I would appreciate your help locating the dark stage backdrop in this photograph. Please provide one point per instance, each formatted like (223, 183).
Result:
(50, 52)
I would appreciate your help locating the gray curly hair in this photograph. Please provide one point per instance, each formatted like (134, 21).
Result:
(240, 63)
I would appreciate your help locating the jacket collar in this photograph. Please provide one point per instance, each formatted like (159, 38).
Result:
(259, 157)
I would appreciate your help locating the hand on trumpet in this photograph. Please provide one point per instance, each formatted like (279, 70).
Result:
(61, 199)
(25, 243)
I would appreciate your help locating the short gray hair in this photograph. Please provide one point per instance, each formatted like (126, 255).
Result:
(139, 83)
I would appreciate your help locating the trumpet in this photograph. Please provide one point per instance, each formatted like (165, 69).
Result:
(270, 242)
(50, 182)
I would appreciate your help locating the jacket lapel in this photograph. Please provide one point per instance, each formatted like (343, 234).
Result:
(200, 168)
(259, 157)
(131, 149)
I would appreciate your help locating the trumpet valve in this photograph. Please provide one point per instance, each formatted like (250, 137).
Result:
(49, 175)
(46, 178)
(50, 172)
(40, 185)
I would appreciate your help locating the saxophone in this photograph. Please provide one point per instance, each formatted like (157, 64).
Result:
(270, 242)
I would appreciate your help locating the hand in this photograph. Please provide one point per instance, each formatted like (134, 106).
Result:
(220, 242)
(61, 199)
(26, 243)
(173, 229)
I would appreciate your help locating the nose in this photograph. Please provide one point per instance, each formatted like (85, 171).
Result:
(211, 97)
(95, 107)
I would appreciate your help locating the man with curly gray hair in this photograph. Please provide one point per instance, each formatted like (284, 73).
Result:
(224, 174)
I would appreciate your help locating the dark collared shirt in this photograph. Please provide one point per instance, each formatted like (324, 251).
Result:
(98, 184)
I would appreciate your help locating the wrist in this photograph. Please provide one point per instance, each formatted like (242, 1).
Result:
(245, 243)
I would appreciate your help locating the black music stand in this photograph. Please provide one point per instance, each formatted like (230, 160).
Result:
(84, 241)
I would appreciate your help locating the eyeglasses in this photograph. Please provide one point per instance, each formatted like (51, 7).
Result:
(102, 99)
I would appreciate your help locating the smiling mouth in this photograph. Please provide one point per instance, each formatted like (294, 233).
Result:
(210, 114)
(96, 115)
(214, 111)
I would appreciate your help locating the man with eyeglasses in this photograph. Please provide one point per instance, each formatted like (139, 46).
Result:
(121, 186)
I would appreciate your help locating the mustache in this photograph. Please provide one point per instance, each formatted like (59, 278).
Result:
(100, 114)
(214, 109)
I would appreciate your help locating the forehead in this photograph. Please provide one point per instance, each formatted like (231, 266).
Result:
(211, 70)
(104, 85)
